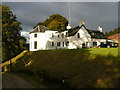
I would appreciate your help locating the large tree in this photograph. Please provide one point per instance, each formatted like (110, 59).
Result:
(55, 22)
(11, 38)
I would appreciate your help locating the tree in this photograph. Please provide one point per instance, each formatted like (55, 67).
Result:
(115, 31)
(55, 22)
(11, 38)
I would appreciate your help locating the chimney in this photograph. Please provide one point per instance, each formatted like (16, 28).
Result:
(100, 29)
(68, 27)
(81, 23)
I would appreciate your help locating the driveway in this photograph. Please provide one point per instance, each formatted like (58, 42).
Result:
(14, 81)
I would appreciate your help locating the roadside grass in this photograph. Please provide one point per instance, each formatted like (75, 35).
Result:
(81, 68)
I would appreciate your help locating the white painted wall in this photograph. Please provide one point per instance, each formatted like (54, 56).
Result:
(76, 42)
(41, 41)
(45, 39)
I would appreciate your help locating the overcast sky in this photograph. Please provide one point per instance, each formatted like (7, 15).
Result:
(94, 14)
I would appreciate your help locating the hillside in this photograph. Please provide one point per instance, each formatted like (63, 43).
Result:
(94, 67)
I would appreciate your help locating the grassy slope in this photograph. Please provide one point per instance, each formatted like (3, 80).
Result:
(94, 67)
(105, 51)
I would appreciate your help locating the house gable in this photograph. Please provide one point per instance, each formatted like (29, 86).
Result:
(39, 28)
(93, 33)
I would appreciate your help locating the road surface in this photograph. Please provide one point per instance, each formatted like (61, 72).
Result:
(14, 81)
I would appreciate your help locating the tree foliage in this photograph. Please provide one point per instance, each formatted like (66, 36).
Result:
(55, 22)
(115, 31)
(11, 38)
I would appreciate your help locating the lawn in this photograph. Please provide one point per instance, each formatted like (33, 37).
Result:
(81, 68)
(105, 51)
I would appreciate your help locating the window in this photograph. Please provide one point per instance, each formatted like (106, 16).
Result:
(58, 36)
(94, 43)
(83, 45)
(35, 45)
(86, 44)
(66, 34)
(58, 43)
(52, 35)
(78, 35)
(102, 43)
(63, 44)
(31, 45)
(67, 43)
(35, 35)
(52, 43)
(62, 35)
(93, 33)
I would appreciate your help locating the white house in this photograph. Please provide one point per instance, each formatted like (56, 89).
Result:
(41, 38)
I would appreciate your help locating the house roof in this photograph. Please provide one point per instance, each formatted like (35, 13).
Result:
(115, 37)
(39, 28)
(94, 33)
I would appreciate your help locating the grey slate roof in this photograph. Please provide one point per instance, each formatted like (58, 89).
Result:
(94, 33)
(42, 29)
(73, 31)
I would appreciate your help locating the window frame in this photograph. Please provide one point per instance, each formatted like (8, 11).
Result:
(63, 44)
(66, 34)
(35, 35)
(78, 35)
(52, 43)
(67, 43)
(52, 35)
(58, 44)
(62, 35)
(35, 44)
(94, 44)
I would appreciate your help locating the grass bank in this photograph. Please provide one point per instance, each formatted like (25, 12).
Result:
(81, 68)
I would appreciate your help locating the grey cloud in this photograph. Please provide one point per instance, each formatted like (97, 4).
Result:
(60, 0)
(94, 13)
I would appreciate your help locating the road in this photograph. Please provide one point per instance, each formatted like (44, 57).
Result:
(14, 81)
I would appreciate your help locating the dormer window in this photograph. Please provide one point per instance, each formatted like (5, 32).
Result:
(35, 35)
(78, 35)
